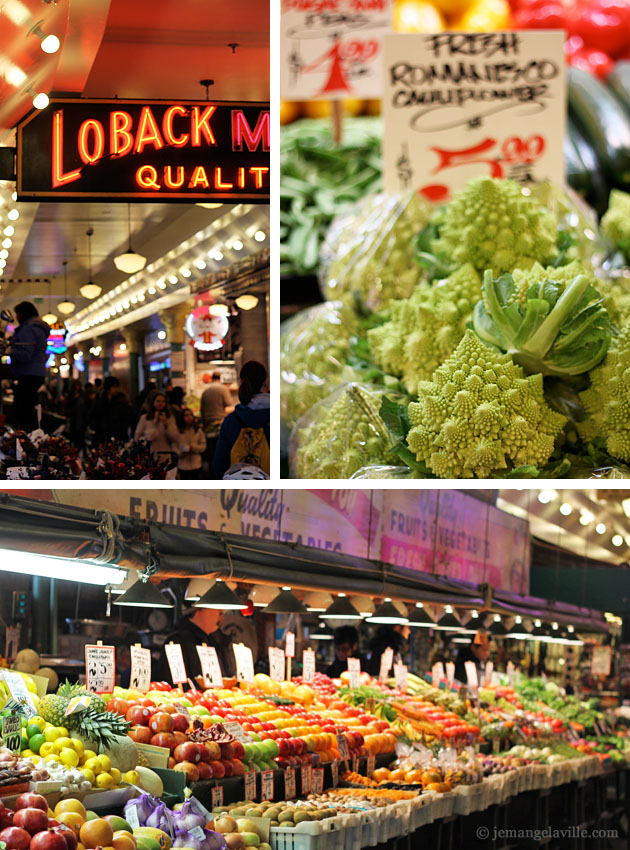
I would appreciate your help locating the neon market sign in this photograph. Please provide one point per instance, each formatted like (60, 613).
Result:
(145, 150)
(56, 343)
(206, 332)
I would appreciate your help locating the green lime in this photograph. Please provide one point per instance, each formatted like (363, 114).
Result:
(33, 729)
(24, 743)
(36, 741)
(23, 722)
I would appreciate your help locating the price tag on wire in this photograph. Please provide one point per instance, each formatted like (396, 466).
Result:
(401, 677)
(217, 796)
(342, 746)
(250, 785)
(234, 728)
(276, 664)
(306, 778)
(12, 732)
(289, 783)
(487, 674)
(176, 663)
(510, 673)
(308, 666)
(266, 785)
(317, 786)
(289, 649)
(140, 677)
(244, 662)
(387, 659)
(210, 667)
(354, 668)
(100, 668)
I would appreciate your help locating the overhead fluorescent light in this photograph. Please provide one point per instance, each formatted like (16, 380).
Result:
(60, 568)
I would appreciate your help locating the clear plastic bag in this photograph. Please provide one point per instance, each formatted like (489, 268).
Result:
(314, 348)
(369, 252)
(380, 471)
(341, 434)
(575, 217)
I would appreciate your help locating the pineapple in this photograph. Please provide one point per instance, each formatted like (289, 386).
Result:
(53, 709)
(102, 727)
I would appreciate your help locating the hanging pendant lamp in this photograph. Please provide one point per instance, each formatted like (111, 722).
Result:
(130, 262)
(90, 290)
(448, 622)
(143, 594)
(220, 597)
(285, 603)
(66, 307)
(388, 614)
(341, 609)
(497, 629)
(420, 618)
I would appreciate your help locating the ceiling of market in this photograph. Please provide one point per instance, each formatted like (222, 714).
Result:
(127, 49)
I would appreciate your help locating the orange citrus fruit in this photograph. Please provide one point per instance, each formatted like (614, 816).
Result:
(96, 833)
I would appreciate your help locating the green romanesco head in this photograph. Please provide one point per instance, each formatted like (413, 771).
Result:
(480, 414)
(607, 400)
(615, 224)
(336, 440)
(538, 274)
(616, 294)
(492, 224)
(427, 327)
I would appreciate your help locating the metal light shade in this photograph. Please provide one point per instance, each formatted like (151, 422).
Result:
(246, 302)
(49, 318)
(518, 630)
(540, 632)
(66, 307)
(143, 594)
(497, 628)
(448, 622)
(262, 594)
(572, 638)
(341, 609)
(473, 624)
(419, 617)
(90, 290)
(130, 262)
(285, 603)
(196, 588)
(364, 605)
(318, 600)
(322, 633)
(132, 578)
(221, 598)
(387, 613)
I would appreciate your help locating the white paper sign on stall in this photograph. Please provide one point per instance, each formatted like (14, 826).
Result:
(354, 668)
(450, 673)
(472, 677)
(276, 664)
(332, 49)
(600, 663)
(460, 105)
(401, 677)
(308, 666)
(210, 668)
(100, 668)
(176, 663)
(244, 662)
(140, 677)
(387, 659)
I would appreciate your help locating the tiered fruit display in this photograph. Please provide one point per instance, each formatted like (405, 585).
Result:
(284, 814)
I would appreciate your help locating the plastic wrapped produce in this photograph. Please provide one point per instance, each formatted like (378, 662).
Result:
(341, 434)
(369, 252)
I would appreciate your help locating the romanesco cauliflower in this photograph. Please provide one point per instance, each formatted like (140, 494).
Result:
(341, 438)
(427, 327)
(492, 224)
(480, 414)
(615, 224)
(607, 401)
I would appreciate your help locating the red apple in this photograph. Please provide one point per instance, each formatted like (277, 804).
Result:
(138, 715)
(218, 769)
(141, 734)
(190, 769)
(69, 835)
(31, 819)
(227, 752)
(187, 752)
(180, 723)
(161, 722)
(168, 708)
(205, 771)
(49, 840)
(146, 702)
(32, 801)
(164, 739)
(6, 818)
(228, 766)
(119, 706)
(15, 838)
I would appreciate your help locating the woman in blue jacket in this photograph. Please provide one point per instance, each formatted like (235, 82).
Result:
(28, 363)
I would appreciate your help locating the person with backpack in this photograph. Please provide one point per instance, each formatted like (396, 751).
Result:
(244, 434)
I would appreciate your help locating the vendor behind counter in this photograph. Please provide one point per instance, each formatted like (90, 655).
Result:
(202, 625)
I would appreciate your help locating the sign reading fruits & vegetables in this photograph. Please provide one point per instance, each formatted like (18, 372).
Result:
(460, 105)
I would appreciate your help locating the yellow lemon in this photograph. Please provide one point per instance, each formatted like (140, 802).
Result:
(89, 754)
(105, 762)
(63, 731)
(104, 780)
(64, 741)
(89, 774)
(51, 733)
(132, 777)
(77, 745)
(115, 774)
(93, 764)
(27, 754)
(53, 757)
(69, 757)
(35, 759)
(48, 748)
(39, 721)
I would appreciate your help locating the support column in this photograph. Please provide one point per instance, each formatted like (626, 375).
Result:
(107, 345)
(134, 338)
(254, 333)
(174, 320)
(85, 351)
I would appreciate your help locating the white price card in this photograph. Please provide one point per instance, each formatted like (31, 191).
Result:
(332, 49)
(100, 668)
(234, 728)
(317, 786)
(276, 664)
(289, 783)
(450, 673)
(471, 676)
(210, 667)
(437, 674)
(250, 785)
(510, 673)
(371, 766)
(244, 662)
(306, 778)
(355, 764)
(308, 666)
(19, 691)
(12, 732)
(342, 745)
(266, 785)
(354, 668)
(458, 105)
(600, 664)
(401, 677)
(140, 677)
(334, 769)
(289, 645)
(487, 673)
(217, 796)
(176, 663)
(131, 816)
(387, 659)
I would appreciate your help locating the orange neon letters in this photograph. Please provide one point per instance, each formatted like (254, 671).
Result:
(241, 132)
(168, 179)
(218, 180)
(120, 139)
(146, 176)
(167, 127)
(58, 177)
(258, 171)
(148, 132)
(200, 126)
(96, 128)
(199, 178)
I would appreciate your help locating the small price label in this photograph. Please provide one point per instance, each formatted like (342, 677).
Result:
(266, 785)
(308, 666)
(510, 673)
(306, 777)
(19, 691)
(12, 732)
(217, 796)
(471, 676)
(334, 769)
(244, 662)
(100, 669)
(371, 765)
(234, 728)
(355, 764)
(487, 674)
(289, 783)
(387, 659)
(401, 677)
(289, 649)
(210, 667)
(436, 674)
(131, 816)
(276, 664)
(140, 677)
(198, 833)
(250, 785)
(176, 663)
(354, 668)
(317, 786)
(342, 746)
(450, 673)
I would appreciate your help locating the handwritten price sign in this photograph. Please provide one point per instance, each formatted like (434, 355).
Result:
(308, 666)
(332, 49)
(354, 668)
(100, 669)
(461, 105)
(244, 662)
(276, 664)
(210, 668)
(140, 677)
(176, 662)
(266, 785)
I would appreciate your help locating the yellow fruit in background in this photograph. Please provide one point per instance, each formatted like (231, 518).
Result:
(115, 774)
(105, 780)
(89, 754)
(52, 757)
(34, 759)
(72, 820)
(483, 16)
(39, 721)
(51, 733)
(89, 775)
(64, 741)
(69, 757)
(70, 805)
(48, 748)
(27, 754)
(289, 111)
(96, 833)
(93, 764)
(417, 16)
(104, 761)
(77, 745)
(132, 777)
